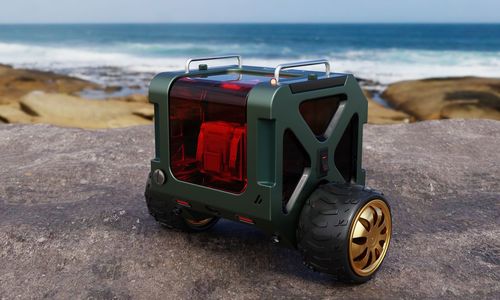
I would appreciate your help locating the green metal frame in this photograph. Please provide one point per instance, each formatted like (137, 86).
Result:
(271, 109)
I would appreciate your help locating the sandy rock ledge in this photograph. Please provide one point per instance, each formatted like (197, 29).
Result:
(447, 98)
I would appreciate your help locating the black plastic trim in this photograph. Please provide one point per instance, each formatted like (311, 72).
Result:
(311, 85)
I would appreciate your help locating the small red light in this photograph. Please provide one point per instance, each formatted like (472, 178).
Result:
(230, 86)
(183, 203)
(246, 220)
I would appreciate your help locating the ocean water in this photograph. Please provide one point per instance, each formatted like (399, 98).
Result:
(129, 54)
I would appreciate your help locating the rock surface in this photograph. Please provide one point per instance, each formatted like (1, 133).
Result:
(378, 114)
(447, 98)
(64, 110)
(73, 223)
(31, 96)
(15, 83)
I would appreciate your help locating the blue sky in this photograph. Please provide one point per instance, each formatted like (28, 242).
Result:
(222, 11)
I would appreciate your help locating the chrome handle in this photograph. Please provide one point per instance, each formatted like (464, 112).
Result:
(278, 69)
(189, 61)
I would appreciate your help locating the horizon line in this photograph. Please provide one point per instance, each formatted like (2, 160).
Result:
(253, 23)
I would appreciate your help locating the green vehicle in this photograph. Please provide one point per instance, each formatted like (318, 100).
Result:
(275, 148)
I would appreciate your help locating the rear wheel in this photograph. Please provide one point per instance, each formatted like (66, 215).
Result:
(170, 215)
(345, 231)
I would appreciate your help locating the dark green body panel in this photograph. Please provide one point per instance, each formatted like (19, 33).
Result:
(270, 111)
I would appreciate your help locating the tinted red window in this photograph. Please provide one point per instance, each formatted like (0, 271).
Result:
(208, 130)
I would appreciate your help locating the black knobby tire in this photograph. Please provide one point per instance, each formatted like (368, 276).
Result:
(169, 214)
(323, 233)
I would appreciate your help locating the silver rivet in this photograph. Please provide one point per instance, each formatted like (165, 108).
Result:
(159, 177)
(275, 239)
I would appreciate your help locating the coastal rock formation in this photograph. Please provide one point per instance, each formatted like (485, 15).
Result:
(70, 111)
(61, 104)
(31, 96)
(15, 83)
(447, 98)
(74, 225)
(378, 114)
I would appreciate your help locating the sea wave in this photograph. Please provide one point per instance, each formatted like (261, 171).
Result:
(385, 66)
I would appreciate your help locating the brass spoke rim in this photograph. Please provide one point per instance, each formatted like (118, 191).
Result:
(198, 223)
(369, 237)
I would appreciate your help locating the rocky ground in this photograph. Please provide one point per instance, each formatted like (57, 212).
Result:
(73, 223)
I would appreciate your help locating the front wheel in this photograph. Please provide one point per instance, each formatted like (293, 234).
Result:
(169, 215)
(345, 231)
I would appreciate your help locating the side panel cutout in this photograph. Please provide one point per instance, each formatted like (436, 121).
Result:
(346, 152)
(266, 139)
(319, 112)
(295, 162)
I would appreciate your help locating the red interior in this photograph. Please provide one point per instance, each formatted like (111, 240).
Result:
(220, 149)
(208, 130)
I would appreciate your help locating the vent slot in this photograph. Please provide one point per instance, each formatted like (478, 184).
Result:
(266, 140)
(295, 161)
(346, 153)
(318, 113)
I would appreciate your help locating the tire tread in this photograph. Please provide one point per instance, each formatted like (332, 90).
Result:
(325, 248)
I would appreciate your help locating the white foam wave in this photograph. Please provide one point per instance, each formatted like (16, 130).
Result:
(385, 66)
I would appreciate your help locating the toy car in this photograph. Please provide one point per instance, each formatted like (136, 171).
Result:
(278, 149)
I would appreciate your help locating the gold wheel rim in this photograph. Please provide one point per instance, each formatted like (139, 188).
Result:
(369, 237)
(198, 223)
